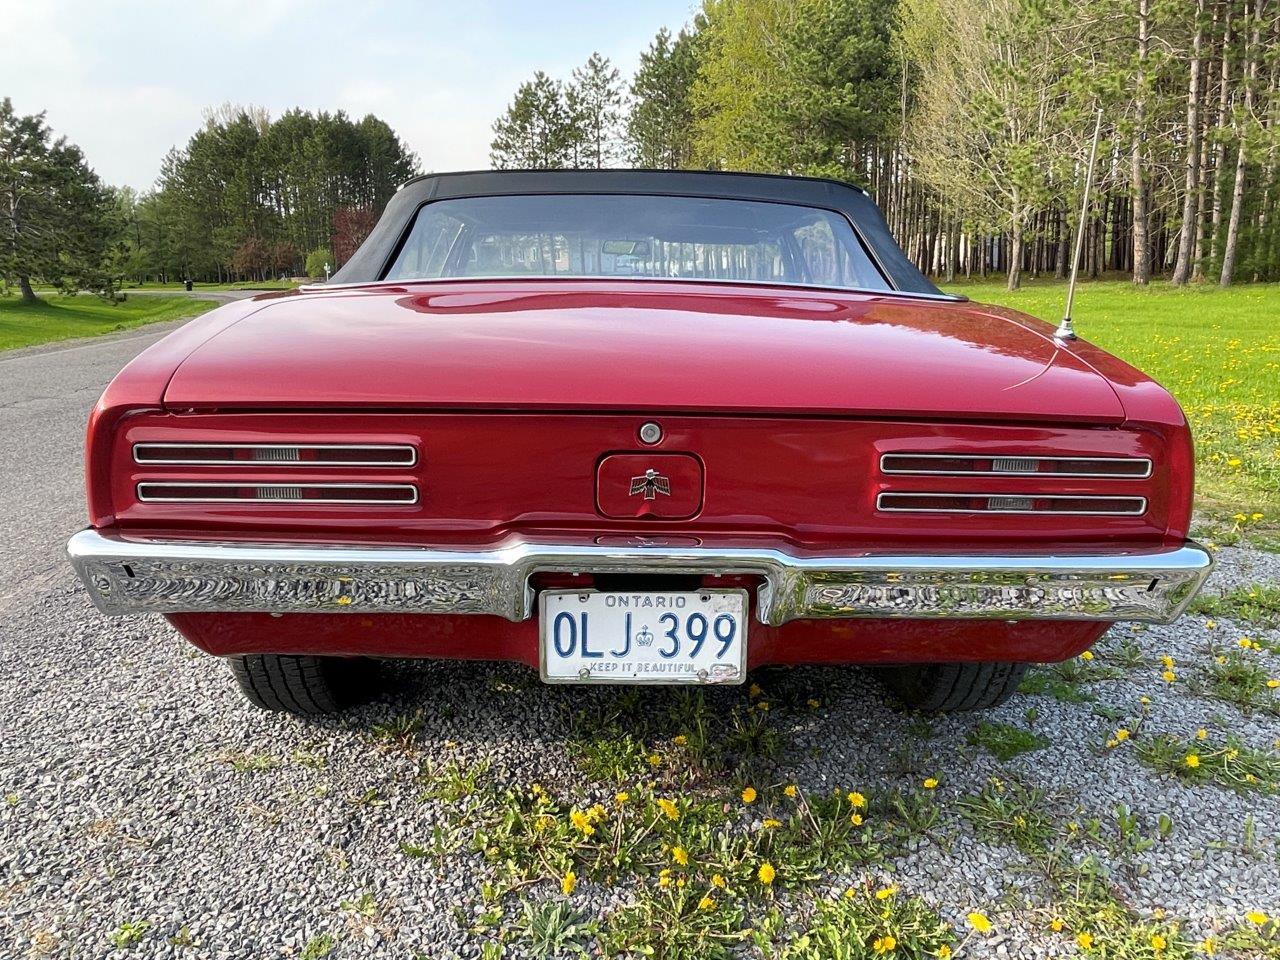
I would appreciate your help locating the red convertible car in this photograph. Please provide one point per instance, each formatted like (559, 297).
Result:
(635, 427)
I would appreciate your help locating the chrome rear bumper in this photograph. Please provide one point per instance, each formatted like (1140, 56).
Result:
(163, 576)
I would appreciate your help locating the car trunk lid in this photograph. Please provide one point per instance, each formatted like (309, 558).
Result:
(640, 346)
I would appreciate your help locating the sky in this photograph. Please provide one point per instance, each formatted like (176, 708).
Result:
(127, 81)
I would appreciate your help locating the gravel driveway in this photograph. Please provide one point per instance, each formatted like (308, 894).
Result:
(148, 811)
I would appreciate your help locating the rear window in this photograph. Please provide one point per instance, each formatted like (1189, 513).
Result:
(677, 238)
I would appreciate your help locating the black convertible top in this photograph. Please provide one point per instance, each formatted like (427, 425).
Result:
(375, 255)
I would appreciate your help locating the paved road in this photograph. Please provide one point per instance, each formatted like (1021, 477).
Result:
(45, 397)
(46, 393)
(141, 799)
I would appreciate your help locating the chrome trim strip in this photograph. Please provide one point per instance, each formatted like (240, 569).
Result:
(884, 458)
(144, 498)
(411, 462)
(160, 576)
(1140, 502)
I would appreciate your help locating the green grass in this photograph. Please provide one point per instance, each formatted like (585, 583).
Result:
(1217, 351)
(1005, 741)
(57, 317)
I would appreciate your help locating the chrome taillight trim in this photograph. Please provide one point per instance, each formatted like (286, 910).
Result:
(887, 458)
(1139, 504)
(411, 450)
(146, 485)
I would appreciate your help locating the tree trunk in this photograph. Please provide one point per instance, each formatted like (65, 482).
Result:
(24, 285)
(1015, 252)
(1141, 251)
(1219, 140)
(1267, 184)
(1190, 200)
(1229, 250)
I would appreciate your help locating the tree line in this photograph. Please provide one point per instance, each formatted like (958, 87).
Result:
(250, 197)
(969, 122)
(247, 198)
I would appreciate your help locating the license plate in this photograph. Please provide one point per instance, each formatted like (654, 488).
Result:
(590, 636)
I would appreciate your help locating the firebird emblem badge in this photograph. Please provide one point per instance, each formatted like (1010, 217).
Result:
(651, 484)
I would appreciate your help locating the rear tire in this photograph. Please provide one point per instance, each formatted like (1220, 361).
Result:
(948, 687)
(304, 685)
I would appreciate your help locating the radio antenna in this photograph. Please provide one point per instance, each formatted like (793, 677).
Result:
(1065, 330)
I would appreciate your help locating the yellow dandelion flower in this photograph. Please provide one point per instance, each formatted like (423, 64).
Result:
(814, 703)
(979, 922)
(706, 903)
(1192, 760)
(1145, 701)
(621, 797)
(763, 706)
(1158, 943)
(930, 783)
(680, 855)
(581, 822)
(1056, 924)
(771, 824)
(1122, 735)
(885, 944)
(1085, 940)
(855, 819)
(1167, 661)
(754, 690)
(670, 809)
(1256, 917)
(1244, 643)
(943, 952)
(568, 882)
(680, 740)
(884, 893)
(1087, 655)
(766, 873)
(1210, 624)
(856, 799)
(1168, 676)
(718, 881)
(1208, 946)
(748, 794)
(1273, 683)
(664, 878)
(790, 790)
(1202, 734)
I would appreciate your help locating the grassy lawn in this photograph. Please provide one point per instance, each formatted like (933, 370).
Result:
(1217, 351)
(57, 317)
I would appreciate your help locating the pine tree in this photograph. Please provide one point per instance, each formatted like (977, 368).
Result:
(660, 127)
(56, 217)
(536, 132)
(593, 100)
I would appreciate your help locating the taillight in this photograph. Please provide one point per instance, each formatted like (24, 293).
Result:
(1010, 503)
(275, 454)
(997, 465)
(200, 492)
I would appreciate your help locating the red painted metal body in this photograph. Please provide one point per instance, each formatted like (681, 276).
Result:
(524, 399)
